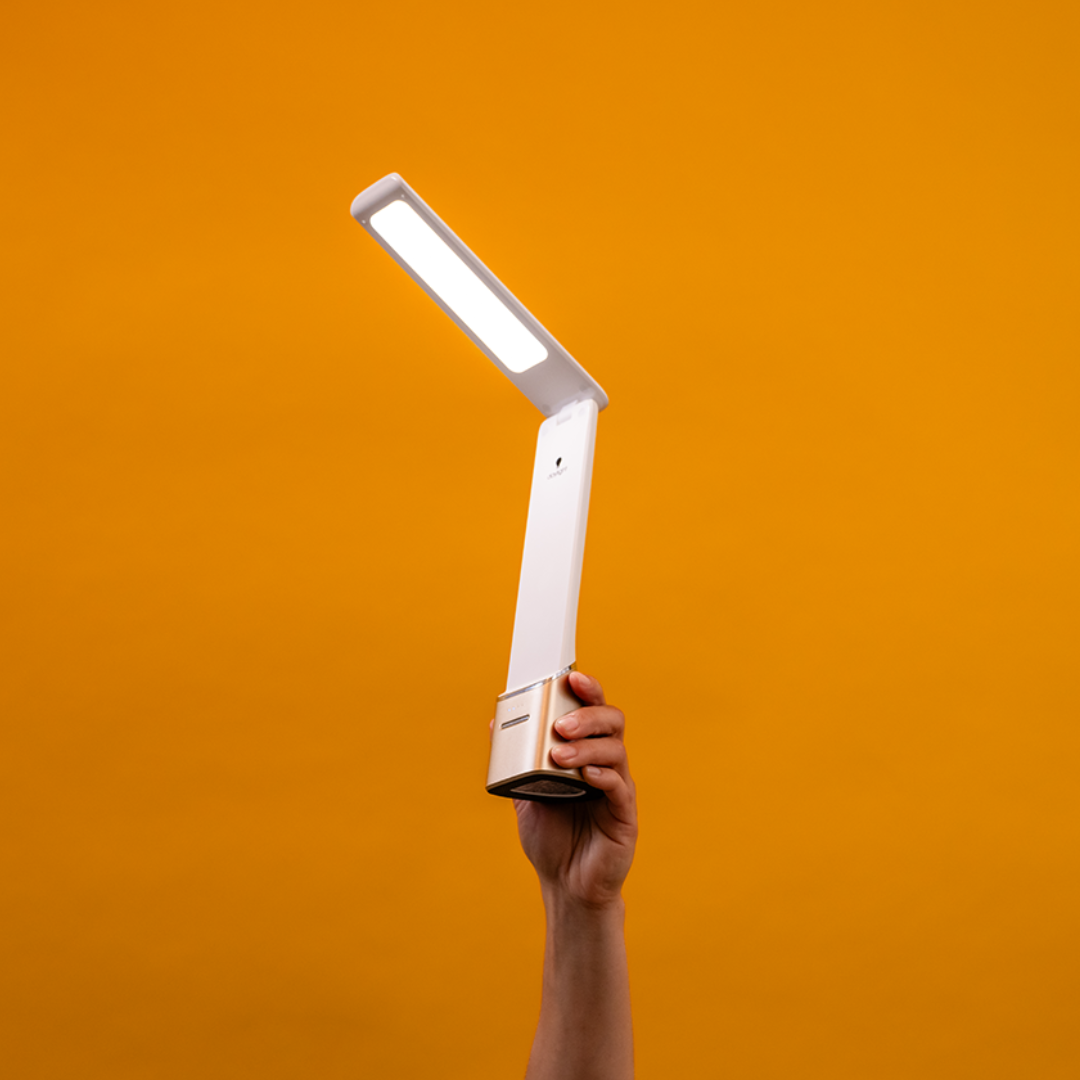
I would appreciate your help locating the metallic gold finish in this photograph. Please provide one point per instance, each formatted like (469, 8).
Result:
(520, 766)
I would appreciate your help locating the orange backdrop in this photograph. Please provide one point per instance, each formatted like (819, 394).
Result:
(263, 507)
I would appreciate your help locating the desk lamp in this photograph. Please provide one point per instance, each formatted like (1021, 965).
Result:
(542, 651)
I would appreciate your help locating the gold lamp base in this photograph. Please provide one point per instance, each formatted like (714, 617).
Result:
(520, 766)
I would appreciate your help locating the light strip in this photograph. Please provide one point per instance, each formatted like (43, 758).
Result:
(444, 272)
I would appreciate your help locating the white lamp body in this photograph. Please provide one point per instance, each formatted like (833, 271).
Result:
(543, 649)
(545, 624)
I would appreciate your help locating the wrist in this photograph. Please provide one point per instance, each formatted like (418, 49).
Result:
(561, 905)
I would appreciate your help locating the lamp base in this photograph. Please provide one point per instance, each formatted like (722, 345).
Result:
(520, 766)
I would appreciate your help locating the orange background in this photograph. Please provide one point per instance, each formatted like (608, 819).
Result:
(263, 507)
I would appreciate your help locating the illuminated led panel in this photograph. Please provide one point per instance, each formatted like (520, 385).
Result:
(443, 271)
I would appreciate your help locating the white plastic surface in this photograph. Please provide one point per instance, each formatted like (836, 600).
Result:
(549, 384)
(545, 626)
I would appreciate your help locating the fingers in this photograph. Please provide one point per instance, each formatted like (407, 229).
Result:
(586, 688)
(591, 720)
(619, 790)
(594, 736)
(606, 753)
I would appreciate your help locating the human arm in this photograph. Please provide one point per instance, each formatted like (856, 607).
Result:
(582, 854)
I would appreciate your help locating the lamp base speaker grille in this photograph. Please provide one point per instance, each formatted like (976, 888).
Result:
(548, 787)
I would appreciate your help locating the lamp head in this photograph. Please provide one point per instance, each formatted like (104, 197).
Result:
(496, 321)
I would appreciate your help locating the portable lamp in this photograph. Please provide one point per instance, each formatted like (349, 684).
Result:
(542, 652)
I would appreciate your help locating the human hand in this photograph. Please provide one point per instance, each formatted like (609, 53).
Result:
(582, 851)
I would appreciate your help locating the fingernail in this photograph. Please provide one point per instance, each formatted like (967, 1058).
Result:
(593, 770)
(565, 753)
(567, 725)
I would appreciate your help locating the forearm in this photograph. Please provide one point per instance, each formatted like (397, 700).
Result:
(585, 1030)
